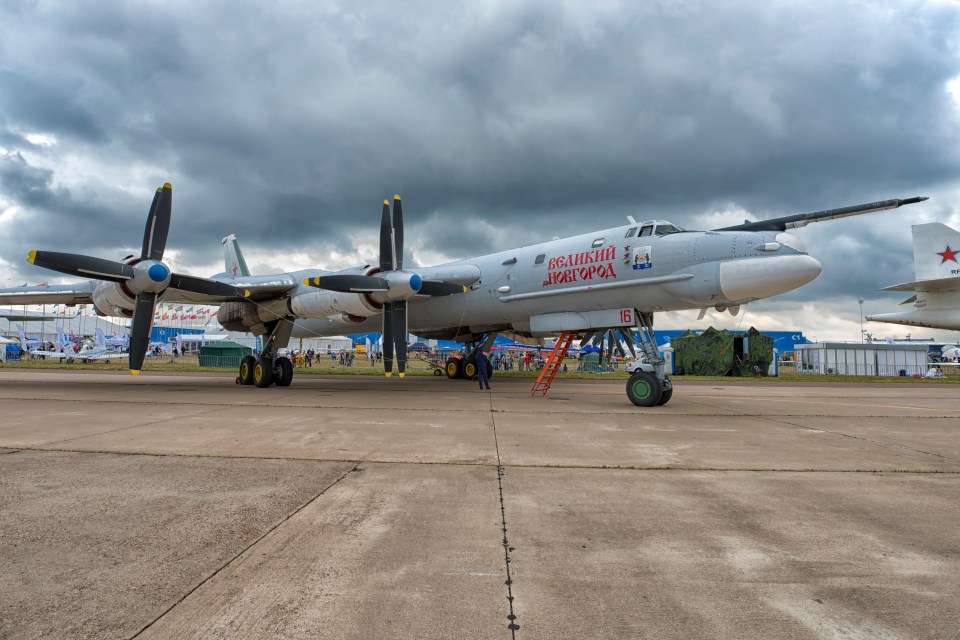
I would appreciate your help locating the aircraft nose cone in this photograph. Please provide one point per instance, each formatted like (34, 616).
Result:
(743, 280)
(416, 282)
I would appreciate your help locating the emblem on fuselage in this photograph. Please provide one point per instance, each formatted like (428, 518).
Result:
(642, 257)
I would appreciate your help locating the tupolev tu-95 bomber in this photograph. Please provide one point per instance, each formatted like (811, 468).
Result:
(602, 285)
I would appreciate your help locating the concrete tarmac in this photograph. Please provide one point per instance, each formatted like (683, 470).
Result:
(185, 506)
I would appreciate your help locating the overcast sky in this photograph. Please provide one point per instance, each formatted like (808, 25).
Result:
(500, 122)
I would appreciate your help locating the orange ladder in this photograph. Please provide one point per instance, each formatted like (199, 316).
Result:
(553, 364)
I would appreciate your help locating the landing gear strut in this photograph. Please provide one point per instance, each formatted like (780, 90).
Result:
(650, 386)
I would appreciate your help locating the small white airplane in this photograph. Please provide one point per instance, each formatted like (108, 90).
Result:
(62, 346)
(600, 285)
(936, 290)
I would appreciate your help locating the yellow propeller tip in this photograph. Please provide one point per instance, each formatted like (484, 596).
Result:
(167, 185)
(306, 281)
(401, 374)
(247, 293)
(464, 289)
(32, 256)
(396, 196)
(316, 281)
(388, 373)
(385, 202)
(135, 372)
(159, 189)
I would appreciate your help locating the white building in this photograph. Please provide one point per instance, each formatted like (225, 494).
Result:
(856, 359)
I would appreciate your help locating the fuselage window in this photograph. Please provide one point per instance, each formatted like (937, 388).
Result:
(647, 230)
(540, 258)
(598, 243)
(664, 229)
(631, 232)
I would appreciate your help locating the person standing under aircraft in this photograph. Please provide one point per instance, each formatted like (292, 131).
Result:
(482, 376)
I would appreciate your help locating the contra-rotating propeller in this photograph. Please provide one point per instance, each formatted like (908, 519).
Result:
(390, 286)
(145, 278)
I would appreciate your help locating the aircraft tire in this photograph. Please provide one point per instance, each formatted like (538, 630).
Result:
(470, 369)
(643, 389)
(489, 370)
(454, 368)
(262, 373)
(437, 372)
(666, 394)
(246, 370)
(285, 369)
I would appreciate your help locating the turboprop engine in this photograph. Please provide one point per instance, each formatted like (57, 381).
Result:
(110, 299)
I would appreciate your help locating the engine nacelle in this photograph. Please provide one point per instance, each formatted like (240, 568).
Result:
(320, 303)
(110, 299)
(248, 316)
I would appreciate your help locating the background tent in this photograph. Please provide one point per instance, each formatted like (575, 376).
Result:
(722, 353)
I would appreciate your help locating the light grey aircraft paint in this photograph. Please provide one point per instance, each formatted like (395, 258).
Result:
(628, 272)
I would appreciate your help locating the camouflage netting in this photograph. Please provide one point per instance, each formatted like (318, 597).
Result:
(714, 353)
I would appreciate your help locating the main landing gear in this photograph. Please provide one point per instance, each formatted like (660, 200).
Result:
(268, 368)
(650, 386)
(466, 367)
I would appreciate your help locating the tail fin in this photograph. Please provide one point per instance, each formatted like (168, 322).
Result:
(23, 337)
(101, 339)
(233, 261)
(936, 251)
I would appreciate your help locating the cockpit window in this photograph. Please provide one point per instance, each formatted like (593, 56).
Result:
(598, 243)
(666, 228)
(646, 230)
(540, 258)
(631, 232)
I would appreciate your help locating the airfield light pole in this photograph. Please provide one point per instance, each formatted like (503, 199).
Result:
(861, 320)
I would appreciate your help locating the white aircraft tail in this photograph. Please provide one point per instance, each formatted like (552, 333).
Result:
(233, 261)
(101, 340)
(936, 251)
(936, 262)
(23, 337)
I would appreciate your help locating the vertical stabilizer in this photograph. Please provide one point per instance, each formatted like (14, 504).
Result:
(101, 341)
(233, 261)
(936, 251)
(23, 337)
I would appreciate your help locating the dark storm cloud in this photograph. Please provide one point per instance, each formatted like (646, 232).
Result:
(288, 124)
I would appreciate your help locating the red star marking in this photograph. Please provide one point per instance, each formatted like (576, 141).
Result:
(948, 254)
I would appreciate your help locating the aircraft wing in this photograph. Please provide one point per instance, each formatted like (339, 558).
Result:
(259, 288)
(79, 293)
(803, 219)
(933, 284)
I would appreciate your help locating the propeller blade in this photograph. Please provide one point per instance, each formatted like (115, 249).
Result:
(400, 334)
(158, 225)
(140, 332)
(388, 339)
(398, 231)
(75, 264)
(436, 289)
(203, 286)
(386, 239)
(616, 342)
(629, 342)
(348, 283)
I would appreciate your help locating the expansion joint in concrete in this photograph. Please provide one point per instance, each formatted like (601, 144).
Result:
(513, 626)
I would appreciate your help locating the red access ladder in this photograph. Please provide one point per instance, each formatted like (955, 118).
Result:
(553, 364)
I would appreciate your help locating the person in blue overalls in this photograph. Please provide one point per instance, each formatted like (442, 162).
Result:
(482, 377)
